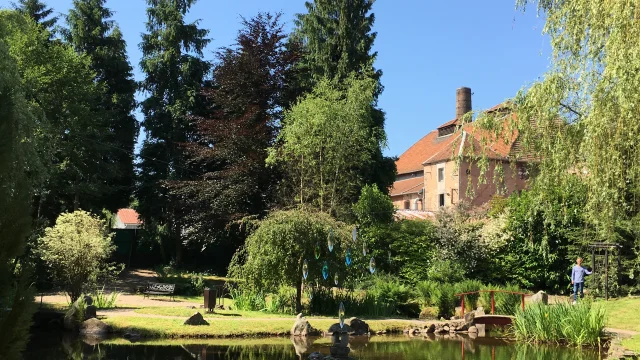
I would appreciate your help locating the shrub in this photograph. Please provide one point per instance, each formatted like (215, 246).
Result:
(578, 325)
(247, 300)
(105, 301)
(471, 300)
(444, 299)
(284, 301)
(445, 271)
(77, 249)
(425, 292)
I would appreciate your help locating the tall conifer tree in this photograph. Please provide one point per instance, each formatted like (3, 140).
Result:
(174, 74)
(338, 38)
(38, 11)
(93, 33)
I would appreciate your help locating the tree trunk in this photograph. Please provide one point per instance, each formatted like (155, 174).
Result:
(299, 296)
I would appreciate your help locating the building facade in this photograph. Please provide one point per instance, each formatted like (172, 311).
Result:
(440, 171)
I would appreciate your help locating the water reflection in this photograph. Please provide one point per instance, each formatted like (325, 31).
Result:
(55, 347)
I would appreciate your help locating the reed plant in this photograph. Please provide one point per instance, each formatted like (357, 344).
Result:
(248, 300)
(102, 300)
(578, 325)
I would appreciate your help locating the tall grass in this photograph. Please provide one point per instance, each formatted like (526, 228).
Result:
(248, 300)
(577, 325)
(105, 301)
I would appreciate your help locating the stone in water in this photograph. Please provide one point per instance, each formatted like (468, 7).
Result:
(330, 240)
(325, 271)
(341, 315)
(354, 233)
(347, 258)
(336, 279)
(305, 269)
(372, 265)
(316, 251)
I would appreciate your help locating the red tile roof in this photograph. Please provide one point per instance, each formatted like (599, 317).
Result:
(412, 159)
(449, 123)
(408, 186)
(129, 216)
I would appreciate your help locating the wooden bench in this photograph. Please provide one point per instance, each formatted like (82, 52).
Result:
(160, 289)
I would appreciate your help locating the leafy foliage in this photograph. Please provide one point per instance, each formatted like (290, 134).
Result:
(274, 254)
(337, 39)
(76, 249)
(323, 158)
(245, 99)
(17, 153)
(581, 117)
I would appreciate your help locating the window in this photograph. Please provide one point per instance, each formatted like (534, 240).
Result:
(440, 174)
(406, 204)
(441, 200)
(523, 174)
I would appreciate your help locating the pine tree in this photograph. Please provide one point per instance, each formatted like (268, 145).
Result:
(338, 38)
(15, 222)
(38, 11)
(92, 33)
(174, 68)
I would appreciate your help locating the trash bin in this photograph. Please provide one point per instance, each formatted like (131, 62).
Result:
(210, 299)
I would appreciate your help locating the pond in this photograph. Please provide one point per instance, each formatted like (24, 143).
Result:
(52, 346)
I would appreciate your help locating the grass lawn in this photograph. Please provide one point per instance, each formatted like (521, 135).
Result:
(186, 312)
(623, 314)
(230, 326)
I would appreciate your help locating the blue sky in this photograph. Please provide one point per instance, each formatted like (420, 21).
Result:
(426, 49)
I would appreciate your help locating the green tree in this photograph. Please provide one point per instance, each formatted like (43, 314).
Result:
(174, 74)
(77, 249)
(337, 39)
(582, 116)
(17, 157)
(59, 85)
(39, 12)
(324, 158)
(91, 32)
(373, 207)
(275, 253)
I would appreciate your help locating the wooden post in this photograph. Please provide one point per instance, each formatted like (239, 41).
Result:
(606, 274)
(493, 303)
(493, 353)
(462, 306)
(522, 302)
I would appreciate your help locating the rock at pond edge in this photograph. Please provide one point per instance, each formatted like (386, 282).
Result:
(302, 327)
(94, 327)
(358, 326)
(196, 320)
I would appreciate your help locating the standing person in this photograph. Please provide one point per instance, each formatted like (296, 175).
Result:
(577, 279)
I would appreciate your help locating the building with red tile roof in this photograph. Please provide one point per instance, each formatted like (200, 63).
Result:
(127, 219)
(439, 170)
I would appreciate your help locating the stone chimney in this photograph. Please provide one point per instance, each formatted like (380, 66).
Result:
(463, 101)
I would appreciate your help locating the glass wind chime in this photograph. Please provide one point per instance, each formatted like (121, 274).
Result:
(348, 260)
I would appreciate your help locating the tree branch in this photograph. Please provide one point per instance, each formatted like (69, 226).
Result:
(571, 109)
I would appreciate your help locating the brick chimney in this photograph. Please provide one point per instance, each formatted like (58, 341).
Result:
(463, 101)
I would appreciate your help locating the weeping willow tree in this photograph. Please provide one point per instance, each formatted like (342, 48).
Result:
(582, 118)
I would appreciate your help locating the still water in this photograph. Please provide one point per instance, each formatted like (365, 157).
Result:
(49, 346)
